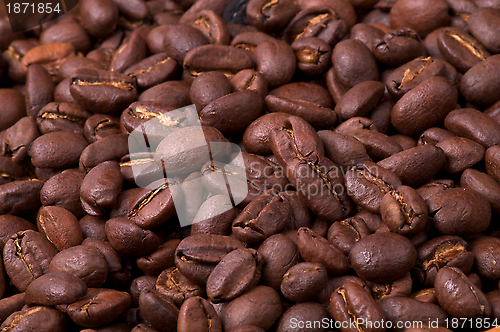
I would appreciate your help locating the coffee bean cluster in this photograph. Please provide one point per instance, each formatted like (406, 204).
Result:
(370, 139)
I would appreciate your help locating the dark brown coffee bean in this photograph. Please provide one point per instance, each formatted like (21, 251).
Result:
(174, 285)
(459, 211)
(69, 65)
(486, 251)
(10, 225)
(30, 318)
(153, 70)
(99, 126)
(423, 16)
(352, 305)
(397, 288)
(279, 254)
(213, 27)
(13, 108)
(102, 91)
(197, 314)
(367, 183)
(60, 226)
(434, 135)
(319, 20)
(345, 151)
(398, 46)
(93, 227)
(275, 61)
(160, 259)
(474, 125)
(106, 149)
(483, 184)
(129, 239)
(130, 52)
(197, 255)
(461, 153)
(99, 23)
(485, 92)
(343, 234)
(86, 262)
(316, 249)
(459, 296)
(313, 55)
(20, 197)
(63, 190)
(461, 49)
(62, 117)
(114, 262)
(401, 309)
(172, 94)
(442, 251)
(17, 140)
(158, 310)
(57, 150)
(480, 22)
(237, 272)
(47, 56)
(426, 161)
(415, 112)
(67, 32)
(100, 188)
(39, 89)
(354, 63)
(269, 16)
(305, 313)
(304, 281)
(205, 223)
(55, 288)
(99, 307)
(359, 100)
(391, 257)
(11, 304)
(264, 216)
(260, 306)
(492, 162)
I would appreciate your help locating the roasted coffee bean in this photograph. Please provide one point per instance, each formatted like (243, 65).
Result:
(442, 251)
(67, 32)
(39, 89)
(492, 162)
(461, 49)
(60, 226)
(47, 56)
(197, 255)
(99, 126)
(55, 288)
(423, 16)
(397, 288)
(416, 165)
(313, 55)
(26, 257)
(466, 122)
(13, 108)
(63, 190)
(159, 311)
(99, 307)
(129, 239)
(459, 296)
(415, 112)
(10, 225)
(275, 60)
(353, 305)
(102, 91)
(367, 183)
(197, 314)
(343, 234)
(479, 23)
(403, 309)
(11, 304)
(391, 257)
(264, 216)
(160, 259)
(225, 282)
(484, 93)
(354, 63)
(279, 254)
(175, 94)
(483, 184)
(69, 65)
(398, 47)
(17, 140)
(57, 150)
(320, 21)
(359, 100)
(213, 27)
(110, 148)
(261, 306)
(271, 16)
(205, 222)
(99, 23)
(20, 197)
(62, 117)
(86, 262)
(153, 70)
(304, 281)
(114, 262)
(461, 153)
(346, 151)
(486, 250)
(306, 312)
(130, 52)
(31, 318)
(174, 285)
(434, 135)
(444, 207)
(316, 249)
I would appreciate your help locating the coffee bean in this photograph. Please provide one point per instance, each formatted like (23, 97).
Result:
(55, 288)
(60, 226)
(197, 314)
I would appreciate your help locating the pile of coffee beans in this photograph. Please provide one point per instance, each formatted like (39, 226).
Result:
(369, 132)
